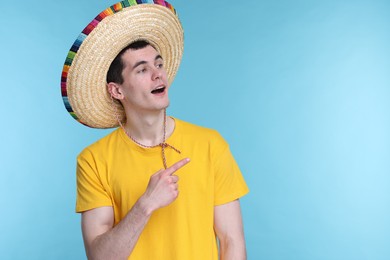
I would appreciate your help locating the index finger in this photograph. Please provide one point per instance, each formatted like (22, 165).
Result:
(171, 170)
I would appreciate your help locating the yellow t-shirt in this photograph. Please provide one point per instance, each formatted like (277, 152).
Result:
(115, 172)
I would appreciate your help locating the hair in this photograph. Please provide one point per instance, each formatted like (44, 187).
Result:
(114, 73)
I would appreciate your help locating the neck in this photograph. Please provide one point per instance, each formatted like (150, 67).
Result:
(148, 129)
(145, 131)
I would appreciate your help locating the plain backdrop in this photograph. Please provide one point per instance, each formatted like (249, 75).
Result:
(299, 89)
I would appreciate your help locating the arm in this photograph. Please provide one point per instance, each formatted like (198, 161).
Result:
(229, 229)
(104, 241)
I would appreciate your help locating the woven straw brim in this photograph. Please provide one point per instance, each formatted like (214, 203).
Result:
(86, 79)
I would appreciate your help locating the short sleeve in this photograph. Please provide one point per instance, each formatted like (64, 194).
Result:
(90, 190)
(229, 182)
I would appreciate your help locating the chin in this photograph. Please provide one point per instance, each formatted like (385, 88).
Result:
(165, 104)
(161, 106)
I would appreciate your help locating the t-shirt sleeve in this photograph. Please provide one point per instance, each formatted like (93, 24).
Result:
(90, 189)
(229, 182)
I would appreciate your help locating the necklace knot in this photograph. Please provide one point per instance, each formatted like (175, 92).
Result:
(165, 145)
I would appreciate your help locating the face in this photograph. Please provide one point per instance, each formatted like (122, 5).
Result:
(145, 85)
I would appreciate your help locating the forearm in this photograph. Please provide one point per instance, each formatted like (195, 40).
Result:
(119, 242)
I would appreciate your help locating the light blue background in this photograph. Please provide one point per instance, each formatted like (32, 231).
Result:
(300, 89)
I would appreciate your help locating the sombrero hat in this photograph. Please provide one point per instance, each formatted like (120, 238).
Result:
(83, 81)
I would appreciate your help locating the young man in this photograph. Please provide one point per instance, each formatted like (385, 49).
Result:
(157, 187)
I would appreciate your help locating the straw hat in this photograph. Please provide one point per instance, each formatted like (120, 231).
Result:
(83, 82)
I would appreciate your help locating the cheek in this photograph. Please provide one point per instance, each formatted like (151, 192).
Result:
(165, 77)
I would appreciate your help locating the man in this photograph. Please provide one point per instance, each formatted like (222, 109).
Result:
(157, 187)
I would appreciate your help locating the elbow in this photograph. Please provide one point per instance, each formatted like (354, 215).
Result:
(97, 250)
(232, 248)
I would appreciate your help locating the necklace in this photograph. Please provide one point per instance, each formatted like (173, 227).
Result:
(163, 144)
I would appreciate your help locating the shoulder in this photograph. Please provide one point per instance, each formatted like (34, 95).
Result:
(200, 135)
(101, 146)
(187, 128)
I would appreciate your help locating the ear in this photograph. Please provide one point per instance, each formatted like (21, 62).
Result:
(115, 90)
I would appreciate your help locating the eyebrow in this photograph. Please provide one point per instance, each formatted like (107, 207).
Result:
(144, 62)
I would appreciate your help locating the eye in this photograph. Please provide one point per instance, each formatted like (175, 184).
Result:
(160, 65)
(141, 70)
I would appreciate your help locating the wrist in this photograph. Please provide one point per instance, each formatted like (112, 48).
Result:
(145, 206)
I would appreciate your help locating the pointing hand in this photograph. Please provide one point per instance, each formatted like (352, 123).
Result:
(162, 189)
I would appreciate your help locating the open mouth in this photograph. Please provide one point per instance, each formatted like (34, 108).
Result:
(158, 90)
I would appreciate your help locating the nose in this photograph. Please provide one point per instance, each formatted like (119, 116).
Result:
(157, 73)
